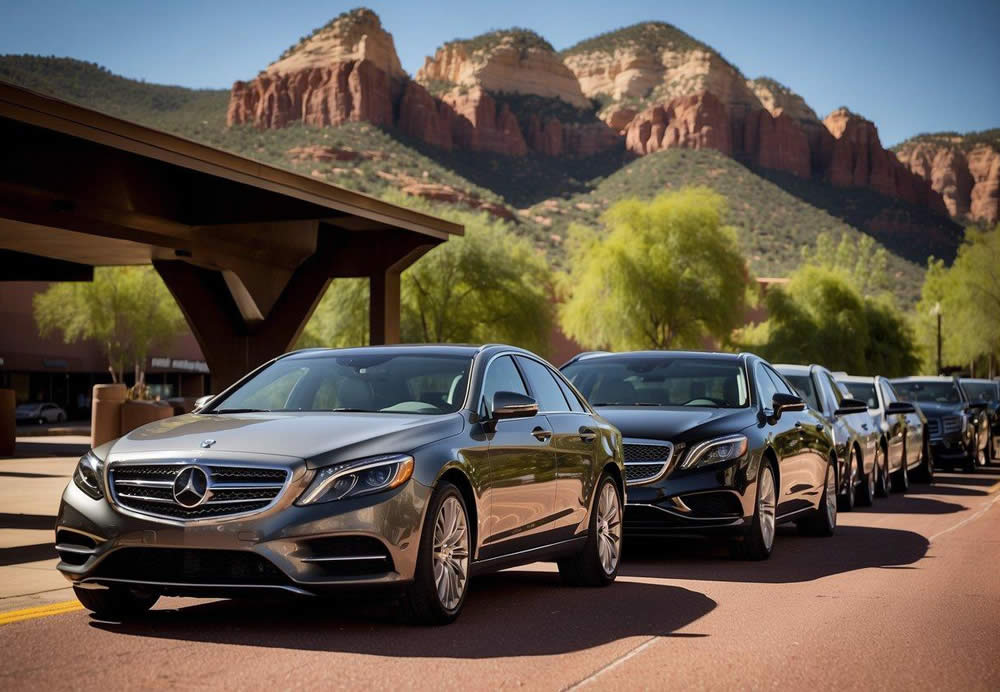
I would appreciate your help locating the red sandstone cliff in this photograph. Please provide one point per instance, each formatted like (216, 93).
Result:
(966, 174)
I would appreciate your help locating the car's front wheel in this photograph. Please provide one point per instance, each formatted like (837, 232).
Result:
(866, 491)
(853, 471)
(757, 544)
(924, 473)
(117, 602)
(823, 520)
(597, 563)
(441, 581)
(903, 476)
(884, 487)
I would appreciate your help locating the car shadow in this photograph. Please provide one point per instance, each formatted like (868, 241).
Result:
(795, 558)
(519, 613)
(31, 450)
(911, 504)
(943, 490)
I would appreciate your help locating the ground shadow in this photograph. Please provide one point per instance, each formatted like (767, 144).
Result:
(49, 449)
(42, 522)
(20, 474)
(909, 504)
(981, 479)
(518, 613)
(795, 558)
(27, 553)
(943, 490)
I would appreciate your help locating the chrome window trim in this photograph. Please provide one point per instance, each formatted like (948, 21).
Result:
(475, 405)
(170, 459)
(192, 585)
(732, 520)
(667, 463)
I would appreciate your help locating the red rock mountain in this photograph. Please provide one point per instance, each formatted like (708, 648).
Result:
(510, 93)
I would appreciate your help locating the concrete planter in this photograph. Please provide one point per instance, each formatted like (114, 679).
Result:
(8, 422)
(105, 413)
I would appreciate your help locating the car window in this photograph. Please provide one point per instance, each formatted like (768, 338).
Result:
(863, 391)
(543, 385)
(887, 393)
(571, 397)
(780, 383)
(501, 376)
(838, 395)
(806, 388)
(765, 386)
(929, 391)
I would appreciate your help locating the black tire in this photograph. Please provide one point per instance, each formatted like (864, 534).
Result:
(884, 485)
(823, 520)
(845, 502)
(60, 417)
(587, 568)
(901, 483)
(423, 603)
(866, 490)
(117, 602)
(755, 545)
(924, 473)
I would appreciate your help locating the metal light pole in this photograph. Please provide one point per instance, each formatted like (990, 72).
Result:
(936, 311)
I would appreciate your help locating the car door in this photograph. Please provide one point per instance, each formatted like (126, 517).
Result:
(520, 493)
(798, 466)
(896, 429)
(782, 433)
(574, 438)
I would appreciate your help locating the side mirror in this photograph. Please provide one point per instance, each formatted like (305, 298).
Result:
(513, 405)
(200, 402)
(900, 407)
(786, 402)
(849, 406)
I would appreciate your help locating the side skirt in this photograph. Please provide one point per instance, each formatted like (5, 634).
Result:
(552, 551)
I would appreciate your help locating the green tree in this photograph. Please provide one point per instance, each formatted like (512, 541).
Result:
(862, 262)
(489, 285)
(128, 310)
(667, 274)
(820, 317)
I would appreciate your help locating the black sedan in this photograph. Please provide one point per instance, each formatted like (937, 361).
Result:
(715, 443)
(984, 396)
(951, 421)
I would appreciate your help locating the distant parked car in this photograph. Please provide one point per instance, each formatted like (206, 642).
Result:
(950, 420)
(715, 443)
(40, 412)
(984, 394)
(863, 469)
(902, 426)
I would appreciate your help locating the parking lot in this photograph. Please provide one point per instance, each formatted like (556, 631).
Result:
(906, 594)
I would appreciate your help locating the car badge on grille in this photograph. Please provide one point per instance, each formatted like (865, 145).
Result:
(207, 443)
(191, 487)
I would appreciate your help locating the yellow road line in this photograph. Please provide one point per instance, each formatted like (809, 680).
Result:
(39, 612)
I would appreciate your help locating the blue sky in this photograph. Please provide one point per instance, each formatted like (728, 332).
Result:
(911, 67)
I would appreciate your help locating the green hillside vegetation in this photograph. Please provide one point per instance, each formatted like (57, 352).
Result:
(522, 39)
(545, 107)
(964, 142)
(648, 37)
(353, 16)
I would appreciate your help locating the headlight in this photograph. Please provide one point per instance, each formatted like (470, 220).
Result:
(716, 451)
(88, 476)
(360, 477)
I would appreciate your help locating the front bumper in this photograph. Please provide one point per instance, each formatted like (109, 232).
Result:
(712, 500)
(366, 541)
(953, 447)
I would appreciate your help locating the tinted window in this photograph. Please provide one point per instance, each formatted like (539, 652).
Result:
(660, 381)
(571, 397)
(370, 382)
(838, 395)
(932, 392)
(980, 391)
(502, 376)
(765, 386)
(863, 391)
(543, 385)
(887, 394)
(779, 383)
(806, 389)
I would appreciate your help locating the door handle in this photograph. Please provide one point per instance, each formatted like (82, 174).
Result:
(541, 434)
(819, 427)
(587, 435)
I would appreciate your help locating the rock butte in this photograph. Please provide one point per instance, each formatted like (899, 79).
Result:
(675, 97)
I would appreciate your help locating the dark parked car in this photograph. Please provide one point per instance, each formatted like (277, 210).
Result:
(984, 395)
(950, 427)
(412, 467)
(714, 443)
(862, 472)
(902, 426)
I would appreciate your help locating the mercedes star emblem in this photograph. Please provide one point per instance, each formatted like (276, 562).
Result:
(191, 487)
(207, 443)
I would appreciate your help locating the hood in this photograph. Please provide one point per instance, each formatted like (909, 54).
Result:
(936, 409)
(317, 437)
(677, 423)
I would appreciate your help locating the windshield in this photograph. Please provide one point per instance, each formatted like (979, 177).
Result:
(928, 392)
(370, 383)
(660, 381)
(863, 391)
(980, 391)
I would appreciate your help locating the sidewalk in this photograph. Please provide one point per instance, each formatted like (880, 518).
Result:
(30, 486)
(75, 428)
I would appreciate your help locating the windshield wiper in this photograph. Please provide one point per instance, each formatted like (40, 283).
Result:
(239, 410)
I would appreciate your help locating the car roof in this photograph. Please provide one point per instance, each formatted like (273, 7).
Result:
(463, 350)
(867, 379)
(601, 355)
(924, 378)
(792, 368)
(977, 380)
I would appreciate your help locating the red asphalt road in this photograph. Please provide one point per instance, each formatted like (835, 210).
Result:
(905, 596)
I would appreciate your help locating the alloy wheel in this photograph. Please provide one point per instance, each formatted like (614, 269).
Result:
(831, 495)
(766, 506)
(609, 528)
(451, 553)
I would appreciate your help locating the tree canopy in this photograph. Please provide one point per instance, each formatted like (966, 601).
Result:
(666, 274)
(128, 310)
(487, 286)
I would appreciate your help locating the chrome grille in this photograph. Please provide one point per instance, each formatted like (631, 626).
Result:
(951, 424)
(646, 461)
(231, 490)
(934, 427)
